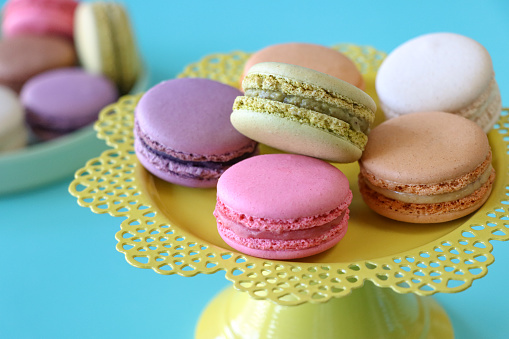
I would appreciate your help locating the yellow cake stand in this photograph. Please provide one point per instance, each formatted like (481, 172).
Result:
(376, 283)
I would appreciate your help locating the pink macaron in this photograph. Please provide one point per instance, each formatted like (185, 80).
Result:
(41, 17)
(183, 132)
(282, 206)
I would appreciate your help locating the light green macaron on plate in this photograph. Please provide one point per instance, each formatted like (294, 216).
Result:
(300, 110)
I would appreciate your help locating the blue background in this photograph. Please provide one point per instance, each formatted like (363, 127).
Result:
(60, 275)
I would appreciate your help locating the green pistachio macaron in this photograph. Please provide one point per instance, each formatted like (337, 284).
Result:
(105, 42)
(300, 110)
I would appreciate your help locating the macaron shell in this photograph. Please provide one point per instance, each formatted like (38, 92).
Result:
(283, 186)
(202, 109)
(13, 131)
(402, 150)
(416, 213)
(287, 254)
(129, 66)
(159, 168)
(105, 42)
(318, 79)
(486, 109)
(87, 30)
(11, 110)
(317, 57)
(295, 137)
(439, 71)
(23, 57)
(48, 17)
(63, 100)
(68, 93)
(14, 139)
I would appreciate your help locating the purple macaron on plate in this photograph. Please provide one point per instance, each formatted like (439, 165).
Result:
(42, 163)
(183, 132)
(61, 101)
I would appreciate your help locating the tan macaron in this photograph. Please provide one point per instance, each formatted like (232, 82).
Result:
(426, 167)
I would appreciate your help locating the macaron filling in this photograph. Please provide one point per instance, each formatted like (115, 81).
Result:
(313, 234)
(486, 109)
(305, 116)
(187, 165)
(434, 198)
(358, 125)
(281, 225)
(268, 244)
(277, 234)
(246, 232)
(303, 95)
(212, 165)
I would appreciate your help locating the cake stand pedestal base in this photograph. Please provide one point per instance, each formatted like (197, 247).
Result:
(368, 312)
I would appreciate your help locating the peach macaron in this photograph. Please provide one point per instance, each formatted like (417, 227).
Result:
(320, 58)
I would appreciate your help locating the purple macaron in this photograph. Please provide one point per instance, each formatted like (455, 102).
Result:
(183, 133)
(60, 101)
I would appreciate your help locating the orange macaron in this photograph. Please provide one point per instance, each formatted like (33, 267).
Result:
(320, 58)
(426, 167)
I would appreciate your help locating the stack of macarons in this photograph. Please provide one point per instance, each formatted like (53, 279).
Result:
(430, 161)
(62, 76)
(305, 98)
(301, 110)
(430, 166)
(282, 206)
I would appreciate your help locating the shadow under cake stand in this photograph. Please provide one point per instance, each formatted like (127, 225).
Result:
(375, 283)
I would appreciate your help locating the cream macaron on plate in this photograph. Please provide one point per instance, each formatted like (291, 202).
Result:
(444, 72)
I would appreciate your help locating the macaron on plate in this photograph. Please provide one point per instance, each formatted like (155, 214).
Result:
(17, 168)
(171, 228)
(300, 110)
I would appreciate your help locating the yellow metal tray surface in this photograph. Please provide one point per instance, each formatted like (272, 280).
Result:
(171, 229)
